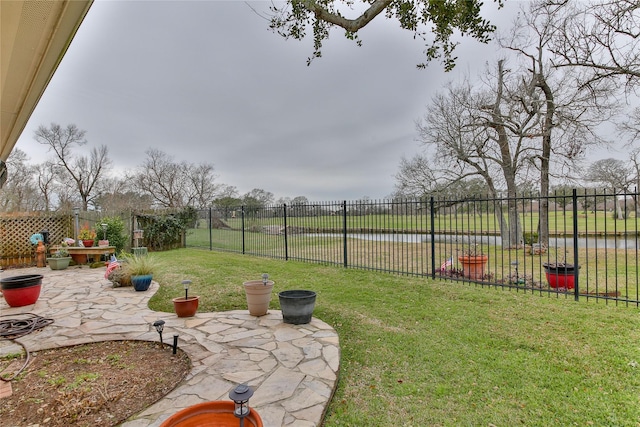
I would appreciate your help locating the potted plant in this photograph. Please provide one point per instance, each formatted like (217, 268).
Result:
(87, 235)
(258, 295)
(119, 276)
(560, 275)
(140, 269)
(187, 306)
(60, 259)
(473, 261)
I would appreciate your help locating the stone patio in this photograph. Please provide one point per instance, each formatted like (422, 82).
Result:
(292, 368)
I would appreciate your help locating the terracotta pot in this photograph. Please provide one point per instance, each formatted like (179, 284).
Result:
(297, 306)
(218, 413)
(258, 296)
(79, 258)
(19, 291)
(186, 307)
(560, 276)
(473, 266)
(87, 243)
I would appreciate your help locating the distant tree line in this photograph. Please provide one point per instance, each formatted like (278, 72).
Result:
(75, 176)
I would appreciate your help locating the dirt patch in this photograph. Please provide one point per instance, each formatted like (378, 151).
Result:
(97, 384)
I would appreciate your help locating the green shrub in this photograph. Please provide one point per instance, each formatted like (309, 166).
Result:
(115, 232)
(530, 237)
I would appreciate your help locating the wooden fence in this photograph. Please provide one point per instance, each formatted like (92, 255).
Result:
(16, 250)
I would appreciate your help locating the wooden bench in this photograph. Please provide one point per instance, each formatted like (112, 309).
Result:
(93, 253)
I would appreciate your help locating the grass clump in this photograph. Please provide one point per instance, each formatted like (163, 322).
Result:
(416, 352)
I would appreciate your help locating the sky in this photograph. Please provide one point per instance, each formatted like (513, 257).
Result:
(207, 82)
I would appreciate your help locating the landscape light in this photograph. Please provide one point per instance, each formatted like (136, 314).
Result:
(76, 212)
(159, 325)
(240, 396)
(185, 285)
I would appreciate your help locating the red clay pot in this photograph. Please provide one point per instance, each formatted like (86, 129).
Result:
(473, 266)
(186, 308)
(560, 276)
(19, 291)
(218, 413)
(79, 258)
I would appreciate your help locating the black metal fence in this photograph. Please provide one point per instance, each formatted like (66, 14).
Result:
(498, 242)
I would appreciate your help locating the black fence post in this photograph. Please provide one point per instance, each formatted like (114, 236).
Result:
(432, 216)
(286, 242)
(210, 229)
(344, 233)
(242, 225)
(576, 270)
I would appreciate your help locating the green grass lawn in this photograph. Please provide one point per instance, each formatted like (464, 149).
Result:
(423, 353)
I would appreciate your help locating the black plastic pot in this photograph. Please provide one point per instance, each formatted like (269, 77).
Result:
(297, 306)
(17, 282)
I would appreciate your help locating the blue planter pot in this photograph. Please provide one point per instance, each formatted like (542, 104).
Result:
(141, 283)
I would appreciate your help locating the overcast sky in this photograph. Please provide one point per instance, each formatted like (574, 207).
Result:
(206, 81)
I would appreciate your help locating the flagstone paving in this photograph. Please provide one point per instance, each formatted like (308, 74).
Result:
(292, 368)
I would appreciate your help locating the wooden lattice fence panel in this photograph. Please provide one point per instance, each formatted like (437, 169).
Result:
(15, 230)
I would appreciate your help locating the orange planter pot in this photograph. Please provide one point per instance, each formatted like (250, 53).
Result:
(79, 258)
(473, 267)
(186, 307)
(218, 413)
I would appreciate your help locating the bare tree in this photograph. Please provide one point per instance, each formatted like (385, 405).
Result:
(47, 173)
(173, 184)
(81, 172)
(565, 114)
(481, 132)
(611, 173)
(19, 193)
(201, 184)
(602, 37)
(616, 175)
(416, 177)
(257, 198)
(162, 179)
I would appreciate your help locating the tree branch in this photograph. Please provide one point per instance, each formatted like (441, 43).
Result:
(351, 25)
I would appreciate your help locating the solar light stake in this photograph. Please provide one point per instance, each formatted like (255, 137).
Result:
(185, 284)
(175, 343)
(265, 277)
(76, 211)
(159, 325)
(515, 264)
(240, 396)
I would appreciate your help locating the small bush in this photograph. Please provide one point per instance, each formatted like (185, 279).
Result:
(115, 232)
(530, 237)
